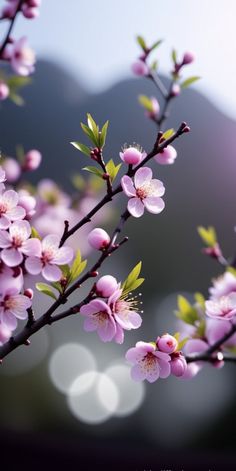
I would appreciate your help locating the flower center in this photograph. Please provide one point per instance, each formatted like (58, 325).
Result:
(3, 208)
(149, 361)
(9, 303)
(47, 256)
(101, 317)
(17, 242)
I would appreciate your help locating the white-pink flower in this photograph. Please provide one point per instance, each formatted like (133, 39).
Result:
(9, 209)
(223, 308)
(17, 243)
(13, 306)
(22, 57)
(144, 193)
(49, 257)
(222, 286)
(123, 310)
(98, 317)
(149, 363)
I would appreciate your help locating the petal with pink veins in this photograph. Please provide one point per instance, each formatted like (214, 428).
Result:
(5, 239)
(11, 257)
(135, 207)
(128, 186)
(51, 272)
(33, 265)
(63, 256)
(32, 247)
(138, 373)
(142, 176)
(9, 320)
(154, 204)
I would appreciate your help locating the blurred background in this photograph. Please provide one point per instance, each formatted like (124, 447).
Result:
(84, 54)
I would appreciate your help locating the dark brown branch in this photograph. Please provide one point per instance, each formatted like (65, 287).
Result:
(12, 21)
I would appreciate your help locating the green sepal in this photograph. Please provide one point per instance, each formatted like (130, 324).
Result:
(168, 133)
(208, 235)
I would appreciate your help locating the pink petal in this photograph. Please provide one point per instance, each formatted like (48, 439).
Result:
(5, 240)
(96, 305)
(16, 213)
(20, 229)
(33, 265)
(64, 255)
(21, 304)
(133, 355)
(128, 320)
(119, 337)
(165, 369)
(143, 175)
(138, 373)
(157, 187)
(51, 272)
(11, 257)
(153, 373)
(90, 324)
(107, 331)
(128, 186)
(154, 204)
(4, 222)
(9, 320)
(51, 241)
(135, 207)
(11, 198)
(32, 247)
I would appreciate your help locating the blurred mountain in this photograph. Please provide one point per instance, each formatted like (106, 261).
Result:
(200, 187)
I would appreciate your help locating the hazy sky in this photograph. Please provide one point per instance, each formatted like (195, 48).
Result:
(95, 39)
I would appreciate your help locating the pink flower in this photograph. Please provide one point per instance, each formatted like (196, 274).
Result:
(98, 317)
(17, 243)
(167, 156)
(132, 155)
(9, 211)
(5, 334)
(222, 286)
(140, 68)
(12, 169)
(27, 202)
(49, 257)
(32, 160)
(224, 308)
(98, 238)
(123, 310)
(2, 175)
(22, 58)
(149, 363)
(191, 347)
(4, 91)
(13, 306)
(144, 193)
(178, 364)
(29, 12)
(188, 58)
(106, 286)
(167, 343)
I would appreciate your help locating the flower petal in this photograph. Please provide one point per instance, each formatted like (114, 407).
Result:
(4, 222)
(9, 320)
(165, 368)
(63, 256)
(138, 373)
(135, 207)
(154, 204)
(5, 240)
(11, 257)
(157, 187)
(128, 186)
(50, 241)
(32, 247)
(51, 272)
(16, 213)
(33, 265)
(21, 304)
(96, 305)
(20, 229)
(142, 176)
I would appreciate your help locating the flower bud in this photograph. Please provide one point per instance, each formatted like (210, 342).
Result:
(167, 343)
(106, 286)
(12, 169)
(188, 58)
(4, 91)
(29, 12)
(98, 238)
(167, 156)
(29, 293)
(175, 90)
(5, 334)
(131, 156)
(178, 364)
(32, 160)
(140, 68)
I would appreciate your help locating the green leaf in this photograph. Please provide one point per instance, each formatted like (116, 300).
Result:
(174, 56)
(154, 65)
(201, 328)
(199, 298)
(156, 45)
(112, 169)
(103, 134)
(84, 149)
(132, 281)
(90, 134)
(77, 267)
(35, 234)
(57, 286)
(93, 126)
(186, 83)
(142, 43)
(46, 289)
(99, 173)
(167, 134)
(78, 182)
(182, 343)
(15, 81)
(186, 312)
(145, 102)
(232, 270)
(17, 99)
(65, 270)
(208, 235)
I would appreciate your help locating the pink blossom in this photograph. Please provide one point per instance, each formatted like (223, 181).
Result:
(29, 12)
(132, 155)
(9, 10)
(4, 91)
(222, 286)
(5, 334)
(149, 363)
(27, 202)
(106, 286)
(17, 243)
(167, 156)
(32, 160)
(191, 347)
(98, 238)
(144, 193)
(22, 58)
(49, 257)
(9, 209)
(223, 308)
(98, 317)
(178, 364)
(140, 68)
(13, 306)
(167, 343)
(12, 169)
(188, 58)
(124, 310)
(10, 278)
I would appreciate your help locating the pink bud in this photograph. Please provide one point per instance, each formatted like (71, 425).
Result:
(29, 293)
(98, 238)
(12, 169)
(188, 58)
(178, 364)
(214, 252)
(175, 90)
(32, 160)
(29, 12)
(34, 3)
(106, 286)
(140, 68)
(167, 156)
(4, 91)
(155, 108)
(131, 156)
(167, 343)
(5, 334)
